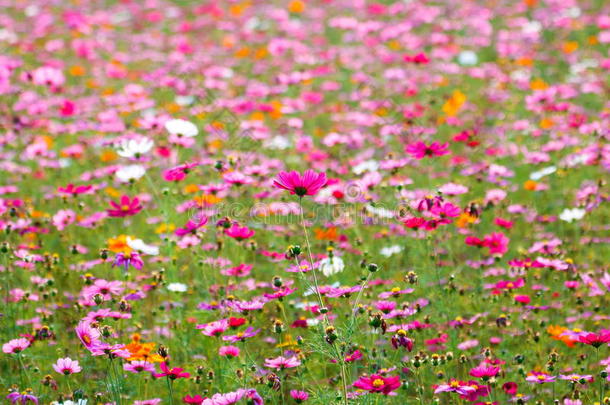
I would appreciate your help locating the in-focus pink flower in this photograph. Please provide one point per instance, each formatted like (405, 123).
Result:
(378, 384)
(307, 184)
(126, 207)
(67, 366)
(282, 362)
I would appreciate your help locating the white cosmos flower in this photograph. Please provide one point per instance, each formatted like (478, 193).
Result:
(135, 147)
(571, 214)
(391, 250)
(140, 246)
(542, 173)
(366, 166)
(330, 266)
(130, 172)
(181, 128)
(467, 58)
(176, 287)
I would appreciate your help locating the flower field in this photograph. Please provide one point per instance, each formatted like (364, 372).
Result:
(304, 201)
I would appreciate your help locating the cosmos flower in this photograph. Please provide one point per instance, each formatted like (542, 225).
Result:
(130, 173)
(126, 207)
(307, 184)
(420, 150)
(67, 366)
(89, 336)
(378, 384)
(239, 232)
(22, 398)
(181, 128)
(125, 260)
(171, 373)
(331, 265)
(595, 339)
(299, 396)
(16, 346)
(135, 148)
(282, 362)
(241, 336)
(459, 387)
(572, 214)
(539, 378)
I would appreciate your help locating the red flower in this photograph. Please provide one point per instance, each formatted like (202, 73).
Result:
(510, 388)
(236, 322)
(307, 184)
(378, 384)
(126, 207)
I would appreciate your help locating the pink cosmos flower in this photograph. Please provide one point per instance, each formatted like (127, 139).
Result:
(125, 260)
(239, 232)
(420, 150)
(484, 371)
(241, 336)
(497, 243)
(282, 362)
(73, 190)
(215, 328)
(89, 336)
(171, 373)
(126, 207)
(67, 366)
(21, 398)
(539, 378)
(63, 218)
(228, 351)
(299, 396)
(307, 184)
(594, 339)
(459, 387)
(192, 226)
(139, 366)
(378, 384)
(16, 346)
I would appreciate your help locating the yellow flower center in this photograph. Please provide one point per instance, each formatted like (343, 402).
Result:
(378, 382)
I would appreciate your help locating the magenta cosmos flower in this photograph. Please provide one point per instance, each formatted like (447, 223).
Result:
(171, 373)
(126, 207)
(239, 232)
(67, 366)
(299, 396)
(594, 339)
(22, 398)
(282, 362)
(484, 371)
(307, 184)
(420, 150)
(378, 384)
(16, 346)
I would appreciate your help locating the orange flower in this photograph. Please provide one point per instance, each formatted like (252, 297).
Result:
(555, 331)
(142, 351)
(530, 185)
(296, 6)
(206, 200)
(119, 244)
(465, 219)
(326, 234)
